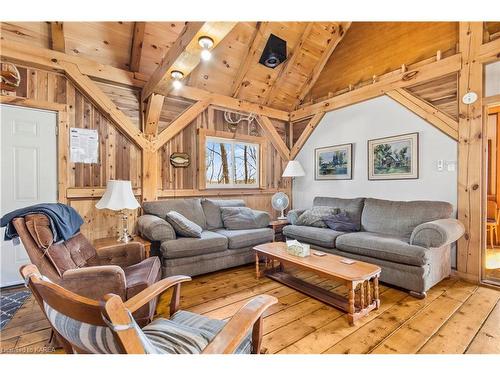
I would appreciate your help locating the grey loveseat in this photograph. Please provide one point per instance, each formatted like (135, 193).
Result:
(218, 248)
(410, 241)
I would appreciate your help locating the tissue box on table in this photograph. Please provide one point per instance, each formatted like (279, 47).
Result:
(296, 248)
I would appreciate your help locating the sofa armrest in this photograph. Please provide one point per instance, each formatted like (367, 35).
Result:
(121, 254)
(293, 215)
(95, 282)
(155, 228)
(437, 233)
(262, 218)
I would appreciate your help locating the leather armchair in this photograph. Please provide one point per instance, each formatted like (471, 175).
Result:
(75, 264)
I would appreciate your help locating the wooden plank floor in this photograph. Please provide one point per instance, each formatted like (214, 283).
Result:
(456, 317)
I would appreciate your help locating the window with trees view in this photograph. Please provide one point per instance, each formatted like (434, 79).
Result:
(231, 163)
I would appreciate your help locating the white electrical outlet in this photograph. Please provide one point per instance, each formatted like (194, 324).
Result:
(451, 165)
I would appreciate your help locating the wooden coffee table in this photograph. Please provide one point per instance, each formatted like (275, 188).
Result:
(360, 278)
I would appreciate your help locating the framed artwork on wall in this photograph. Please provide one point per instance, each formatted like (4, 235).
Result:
(393, 158)
(333, 163)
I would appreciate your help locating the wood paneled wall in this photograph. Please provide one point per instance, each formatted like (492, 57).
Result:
(119, 158)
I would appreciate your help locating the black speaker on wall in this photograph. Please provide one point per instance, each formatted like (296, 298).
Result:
(274, 52)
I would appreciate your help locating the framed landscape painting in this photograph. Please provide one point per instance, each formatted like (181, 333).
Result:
(333, 163)
(393, 158)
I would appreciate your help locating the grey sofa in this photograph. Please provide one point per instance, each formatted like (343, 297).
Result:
(410, 241)
(218, 248)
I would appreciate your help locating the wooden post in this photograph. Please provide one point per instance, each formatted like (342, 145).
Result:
(470, 153)
(149, 175)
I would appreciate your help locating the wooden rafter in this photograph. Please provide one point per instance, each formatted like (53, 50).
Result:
(427, 111)
(337, 35)
(184, 55)
(152, 115)
(386, 83)
(289, 64)
(228, 102)
(261, 30)
(471, 152)
(268, 127)
(306, 133)
(489, 52)
(104, 103)
(184, 119)
(44, 58)
(57, 41)
(137, 43)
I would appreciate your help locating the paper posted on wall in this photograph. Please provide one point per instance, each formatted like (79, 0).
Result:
(84, 145)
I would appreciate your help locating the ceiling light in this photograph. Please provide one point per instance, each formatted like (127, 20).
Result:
(206, 43)
(177, 75)
(177, 84)
(206, 55)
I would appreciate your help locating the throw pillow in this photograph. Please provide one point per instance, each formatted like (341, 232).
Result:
(341, 222)
(183, 226)
(235, 218)
(314, 217)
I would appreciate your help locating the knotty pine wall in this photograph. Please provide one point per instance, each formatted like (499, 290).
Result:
(120, 158)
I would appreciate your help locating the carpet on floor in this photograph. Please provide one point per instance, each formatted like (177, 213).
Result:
(9, 304)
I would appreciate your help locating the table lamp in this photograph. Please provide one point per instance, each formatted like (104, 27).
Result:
(119, 197)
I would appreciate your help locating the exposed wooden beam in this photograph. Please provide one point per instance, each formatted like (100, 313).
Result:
(288, 65)
(152, 115)
(384, 84)
(489, 52)
(306, 133)
(137, 42)
(184, 55)
(228, 102)
(150, 174)
(105, 105)
(48, 59)
(427, 111)
(261, 30)
(57, 40)
(337, 35)
(471, 153)
(268, 127)
(184, 119)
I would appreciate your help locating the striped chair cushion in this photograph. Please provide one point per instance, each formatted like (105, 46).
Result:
(183, 333)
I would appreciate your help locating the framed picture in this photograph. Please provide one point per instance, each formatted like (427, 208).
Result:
(333, 163)
(393, 158)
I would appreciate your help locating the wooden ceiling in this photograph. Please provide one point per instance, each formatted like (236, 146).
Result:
(320, 60)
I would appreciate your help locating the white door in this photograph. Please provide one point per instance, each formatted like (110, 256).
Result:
(28, 175)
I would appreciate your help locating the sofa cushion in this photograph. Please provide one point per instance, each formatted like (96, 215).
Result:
(399, 218)
(211, 208)
(210, 242)
(353, 206)
(341, 222)
(235, 218)
(383, 246)
(323, 237)
(314, 216)
(189, 208)
(238, 239)
(183, 226)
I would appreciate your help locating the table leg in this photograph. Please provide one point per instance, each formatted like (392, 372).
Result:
(375, 292)
(257, 272)
(350, 307)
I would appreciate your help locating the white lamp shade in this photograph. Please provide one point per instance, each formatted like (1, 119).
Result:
(118, 196)
(293, 169)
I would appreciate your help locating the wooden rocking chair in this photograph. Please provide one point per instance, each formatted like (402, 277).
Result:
(84, 325)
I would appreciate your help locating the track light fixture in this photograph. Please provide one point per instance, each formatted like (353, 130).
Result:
(177, 76)
(206, 43)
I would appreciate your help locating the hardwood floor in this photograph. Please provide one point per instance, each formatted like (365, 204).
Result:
(456, 317)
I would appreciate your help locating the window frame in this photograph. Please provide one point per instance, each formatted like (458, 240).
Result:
(232, 138)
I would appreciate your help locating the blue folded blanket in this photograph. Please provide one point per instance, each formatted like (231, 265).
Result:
(65, 222)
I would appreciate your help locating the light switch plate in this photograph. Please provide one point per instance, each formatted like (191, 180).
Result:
(440, 165)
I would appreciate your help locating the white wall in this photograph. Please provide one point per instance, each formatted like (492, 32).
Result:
(377, 118)
(492, 79)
